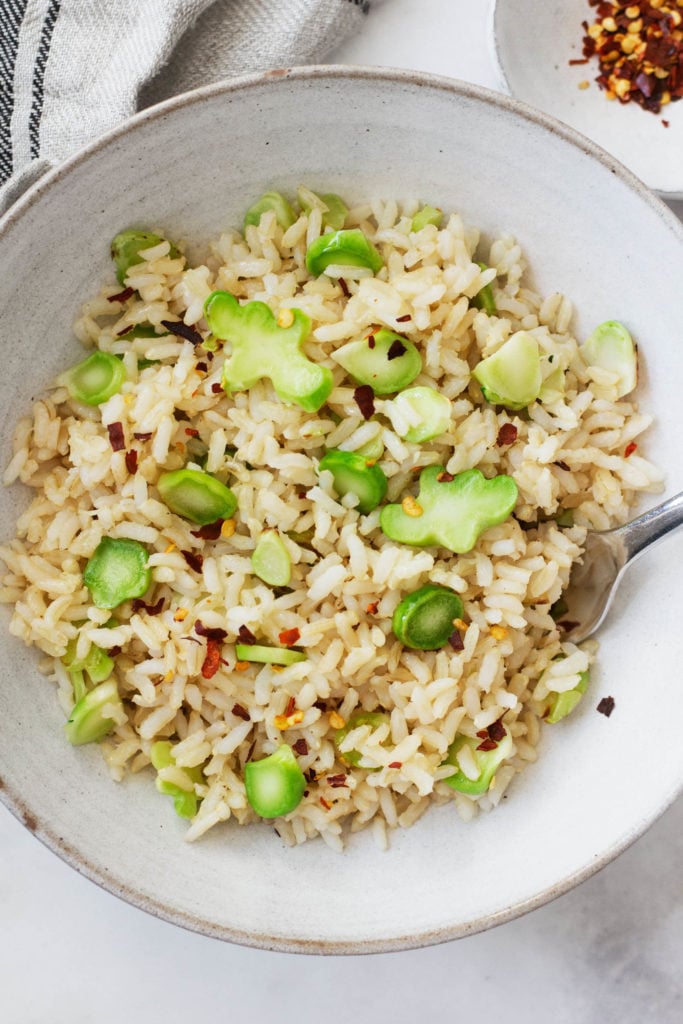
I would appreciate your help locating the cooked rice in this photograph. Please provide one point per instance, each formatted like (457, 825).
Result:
(268, 452)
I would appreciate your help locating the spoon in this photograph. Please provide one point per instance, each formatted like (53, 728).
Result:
(593, 582)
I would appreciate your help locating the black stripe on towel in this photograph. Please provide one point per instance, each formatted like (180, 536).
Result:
(11, 16)
(39, 75)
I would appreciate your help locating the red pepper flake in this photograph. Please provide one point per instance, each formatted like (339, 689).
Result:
(142, 437)
(132, 461)
(372, 608)
(403, 319)
(240, 712)
(371, 341)
(630, 449)
(289, 637)
(202, 367)
(209, 632)
(291, 707)
(211, 531)
(245, 636)
(395, 764)
(344, 286)
(216, 387)
(580, 60)
(191, 432)
(456, 641)
(497, 731)
(444, 477)
(506, 435)
(193, 559)
(116, 440)
(337, 781)
(665, 123)
(302, 494)
(487, 745)
(122, 297)
(180, 329)
(212, 659)
(152, 609)
(396, 349)
(301, 747)
(326, 805)
(564, 466)
(606, 706)
(417, 469)
(364, 398)
(113, 652)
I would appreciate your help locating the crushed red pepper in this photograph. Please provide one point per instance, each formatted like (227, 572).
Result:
(212, 659)
(606, 706)
(152, 609)
(132, 461)
(193, 559)
(456, 641)
(116, 439)
(496, 731)
(245, 636)
(291, 707)
(142, 437)
(639, 47)
(403, 319)
(123, 296)
(395, 764)
(191, 432)
(487, 745)
(364, 397)
(216, 387)
(209, 632)
(630, 448)
(301, 747)
(344, 286)
(211, 531)
(241, 712)
(337, 781)
(396, 349)
(180, 329)
(506, 435)
(372, 608)
(289, 637)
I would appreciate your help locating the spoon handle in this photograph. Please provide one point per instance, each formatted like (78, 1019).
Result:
(652, 526)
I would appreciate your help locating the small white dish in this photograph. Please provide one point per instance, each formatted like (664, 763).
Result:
(532, 45)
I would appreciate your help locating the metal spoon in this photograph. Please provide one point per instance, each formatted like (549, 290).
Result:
(593, 582)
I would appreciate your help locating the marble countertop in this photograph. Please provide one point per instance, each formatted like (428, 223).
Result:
(610, 950)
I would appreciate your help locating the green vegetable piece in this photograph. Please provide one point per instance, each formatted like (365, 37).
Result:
(372, 718)
(284, 213)
(260, 348)
(484, 299)
(336, 213)
(268, 655)
(384, 360)
(196, 495)
(96, 663)
(342, 248)
(145, 330)
(562, 704)
(512, 375)
(559, 609)
(565, 517)
(270, 560)
(373, 450)
(301, 537)
(553, 387)
(354, 474)
(275, 784)
(611, 347)
(424, 619)
(450, 513)
(488, 761)
(185, 801)
(126, 247)
(117, 572)
(88, 721)
(427, 215)
(95, 379)
(419, 414)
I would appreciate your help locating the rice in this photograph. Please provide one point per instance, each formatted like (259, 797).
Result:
(348, 577)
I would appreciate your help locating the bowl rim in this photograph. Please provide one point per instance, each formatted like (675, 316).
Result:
(496, 49)
(16, 803)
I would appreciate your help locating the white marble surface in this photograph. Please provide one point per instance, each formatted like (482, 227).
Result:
(608, 951)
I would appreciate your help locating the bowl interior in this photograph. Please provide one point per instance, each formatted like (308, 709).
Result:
(539, 73)
(191, 168)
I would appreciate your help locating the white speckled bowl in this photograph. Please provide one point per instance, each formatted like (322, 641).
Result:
(192, 166)
(533, 42)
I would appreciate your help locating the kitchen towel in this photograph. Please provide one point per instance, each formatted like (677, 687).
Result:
(72, 69)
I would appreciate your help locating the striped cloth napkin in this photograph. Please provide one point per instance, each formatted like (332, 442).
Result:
(72, 69)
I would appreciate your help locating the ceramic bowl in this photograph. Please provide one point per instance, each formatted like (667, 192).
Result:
(533, 43)
(192, 166)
